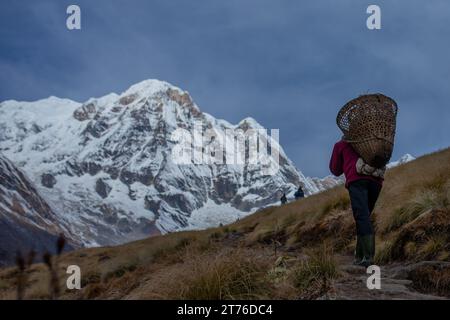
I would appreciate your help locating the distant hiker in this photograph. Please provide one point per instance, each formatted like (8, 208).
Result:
(283, 198)
(299, 193)
(364, 190)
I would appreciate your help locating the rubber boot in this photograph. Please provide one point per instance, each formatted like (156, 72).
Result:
(368, 249)
(359, 255)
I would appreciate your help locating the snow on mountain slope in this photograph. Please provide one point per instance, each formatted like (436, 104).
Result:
(107, 166)
(404, 159)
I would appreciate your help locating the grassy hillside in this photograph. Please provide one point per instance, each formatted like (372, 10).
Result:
(299, 250)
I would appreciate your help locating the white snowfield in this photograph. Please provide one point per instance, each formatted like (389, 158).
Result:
(107, 170)
(404, 159)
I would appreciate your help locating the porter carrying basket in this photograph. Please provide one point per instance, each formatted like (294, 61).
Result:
(368, 123)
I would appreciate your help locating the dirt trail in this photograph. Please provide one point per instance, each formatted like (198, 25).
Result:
(394, 283)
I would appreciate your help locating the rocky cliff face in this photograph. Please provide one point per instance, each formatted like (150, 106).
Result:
(26, 220)
(109, 169)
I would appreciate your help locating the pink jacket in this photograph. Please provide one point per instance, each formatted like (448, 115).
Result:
(343, 161)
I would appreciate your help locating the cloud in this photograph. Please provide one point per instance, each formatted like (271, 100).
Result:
(288, 64)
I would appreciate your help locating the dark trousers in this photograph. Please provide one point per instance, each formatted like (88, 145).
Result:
(363, 196)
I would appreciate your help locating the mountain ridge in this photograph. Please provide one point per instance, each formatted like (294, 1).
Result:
(105, 165)
(107, 168)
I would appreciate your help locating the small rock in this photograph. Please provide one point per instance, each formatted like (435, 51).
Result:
(48, 180)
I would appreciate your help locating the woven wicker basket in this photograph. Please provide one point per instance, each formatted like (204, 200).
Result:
(368, 123)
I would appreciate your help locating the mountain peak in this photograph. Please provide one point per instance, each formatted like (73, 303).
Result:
(249, 123)
(407, 157)
(149, 87)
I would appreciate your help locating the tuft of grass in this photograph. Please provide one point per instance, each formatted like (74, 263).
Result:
(263, 235)
(432, 247)
(216, 235)
(438, 182)
(38, 293)
(120, 271)
(321, 267)
(93, 290)
(424, 201)
(173, 248)
(410, 249)
(3, 285)
(226, 275)
(334, 205)
(90, 278)
(432, 279)
(289, 220)
(269, 234)
(279, 272)
(383, 255)
(425, 238)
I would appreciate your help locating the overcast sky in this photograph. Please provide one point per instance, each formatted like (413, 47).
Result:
(289, 64)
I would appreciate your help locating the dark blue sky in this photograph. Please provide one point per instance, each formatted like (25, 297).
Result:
(288, 64)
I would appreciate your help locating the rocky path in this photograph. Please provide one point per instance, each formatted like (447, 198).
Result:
(394, 283)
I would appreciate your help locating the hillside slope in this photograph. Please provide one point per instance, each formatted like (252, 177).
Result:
(301, 250)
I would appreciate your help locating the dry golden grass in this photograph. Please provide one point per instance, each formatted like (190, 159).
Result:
(228, 274)
(242, 260)
(423, 201)
(314, 275)
(432, 279)
(428, 172)
(426, 237)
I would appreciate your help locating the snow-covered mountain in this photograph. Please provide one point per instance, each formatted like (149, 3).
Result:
(26, 220)
(109, 171)
(325, 183)
(404, 159)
